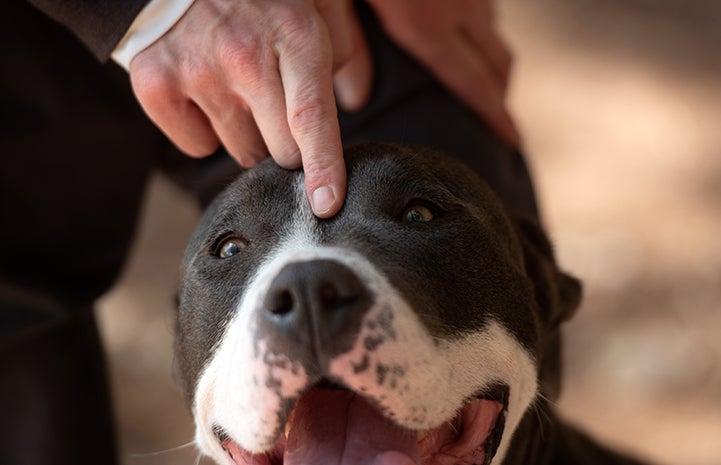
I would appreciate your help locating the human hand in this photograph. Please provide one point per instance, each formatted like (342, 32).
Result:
(256, 76)
(456, 42)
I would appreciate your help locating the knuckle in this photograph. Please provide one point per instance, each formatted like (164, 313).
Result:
(310, 114)
(295, 29)
(240, 53)
(151, 85)
(200, 80)
(241, 61)
(200, 147)
(294, 23)
(201, 151)
(317, 170)
(323, 165)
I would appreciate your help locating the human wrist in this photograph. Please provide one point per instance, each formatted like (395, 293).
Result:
(155, 19)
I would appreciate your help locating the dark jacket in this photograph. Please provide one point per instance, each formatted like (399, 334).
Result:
(99, 24)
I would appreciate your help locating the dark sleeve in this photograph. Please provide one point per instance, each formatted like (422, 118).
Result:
(99, 24)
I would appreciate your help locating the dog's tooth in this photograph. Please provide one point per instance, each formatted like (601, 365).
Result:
(287, 430)
(421, 435)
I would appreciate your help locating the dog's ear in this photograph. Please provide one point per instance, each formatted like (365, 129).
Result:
(557, 294)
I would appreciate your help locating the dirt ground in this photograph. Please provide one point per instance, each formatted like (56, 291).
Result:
(619, 104)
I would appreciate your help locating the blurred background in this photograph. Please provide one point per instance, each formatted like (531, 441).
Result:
(620, 106)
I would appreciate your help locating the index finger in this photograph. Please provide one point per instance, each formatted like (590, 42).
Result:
(306, 69)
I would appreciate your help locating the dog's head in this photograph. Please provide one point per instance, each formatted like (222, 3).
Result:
(418, 323)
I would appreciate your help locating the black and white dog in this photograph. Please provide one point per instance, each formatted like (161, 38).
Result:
(419, 325)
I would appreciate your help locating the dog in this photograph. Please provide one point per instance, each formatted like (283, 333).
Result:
(419, 325)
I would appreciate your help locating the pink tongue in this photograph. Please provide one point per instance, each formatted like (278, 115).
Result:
(341, 428)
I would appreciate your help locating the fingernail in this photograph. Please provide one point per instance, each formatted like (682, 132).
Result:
(322, 200)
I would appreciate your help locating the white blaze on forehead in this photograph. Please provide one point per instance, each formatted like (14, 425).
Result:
(243, 388)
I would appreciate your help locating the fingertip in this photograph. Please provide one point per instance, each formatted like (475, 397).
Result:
(352, 88)
(325, 202)
(246, 159)
(201, 148)
(327, 197)
(496, 115)
(193, 135)
(354, 81)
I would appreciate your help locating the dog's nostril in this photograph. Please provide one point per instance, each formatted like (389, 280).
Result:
(281, 302)
(328, 294)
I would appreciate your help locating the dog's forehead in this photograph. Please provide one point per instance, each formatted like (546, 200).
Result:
(269, 201)
(374, 167)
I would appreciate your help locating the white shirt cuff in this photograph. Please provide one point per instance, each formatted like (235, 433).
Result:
(154, 20)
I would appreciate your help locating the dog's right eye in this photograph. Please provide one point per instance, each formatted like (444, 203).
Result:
(230, 247)
(420, 212)
(417, 214)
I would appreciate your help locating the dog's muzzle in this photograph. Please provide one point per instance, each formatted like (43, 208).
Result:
(314, 311)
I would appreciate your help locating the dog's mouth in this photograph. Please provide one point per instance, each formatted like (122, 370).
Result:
(332, 426)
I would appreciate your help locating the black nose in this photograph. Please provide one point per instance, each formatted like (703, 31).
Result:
(315, 306)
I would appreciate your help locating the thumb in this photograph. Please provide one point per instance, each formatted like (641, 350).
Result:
(353, 82)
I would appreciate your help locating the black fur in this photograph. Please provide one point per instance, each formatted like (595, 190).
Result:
(472, 256)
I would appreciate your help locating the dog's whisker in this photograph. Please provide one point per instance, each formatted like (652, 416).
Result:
(453, 427)
(537, 410)
(170, 450)
(541, 412)
(547, 399)
(437, 320)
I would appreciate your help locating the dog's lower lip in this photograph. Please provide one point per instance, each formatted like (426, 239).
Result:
(462, 439)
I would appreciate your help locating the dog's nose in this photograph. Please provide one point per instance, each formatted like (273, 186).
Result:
(316, 305)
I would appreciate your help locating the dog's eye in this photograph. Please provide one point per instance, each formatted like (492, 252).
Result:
(418, 214)
(230, 247)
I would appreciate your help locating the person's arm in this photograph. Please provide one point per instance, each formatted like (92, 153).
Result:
(98, 24)
(257, 75)
(153, 21)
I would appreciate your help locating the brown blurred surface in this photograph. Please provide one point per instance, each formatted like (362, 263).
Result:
(620, 106)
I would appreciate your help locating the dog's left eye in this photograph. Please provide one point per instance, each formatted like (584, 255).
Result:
(417, 214)
(230, 247)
